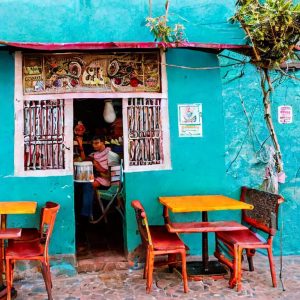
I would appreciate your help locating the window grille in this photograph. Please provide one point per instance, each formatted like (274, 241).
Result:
(44, 135)
(144, 132)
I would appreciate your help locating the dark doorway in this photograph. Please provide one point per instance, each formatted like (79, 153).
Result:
(97, 241)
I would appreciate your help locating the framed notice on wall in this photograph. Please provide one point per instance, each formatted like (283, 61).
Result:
(190, 120)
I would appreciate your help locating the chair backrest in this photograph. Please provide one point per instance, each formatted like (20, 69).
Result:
(117, 176)
(48, 216)
(264, 215)
(142, 222)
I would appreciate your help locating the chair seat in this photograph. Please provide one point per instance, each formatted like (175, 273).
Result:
(108, 194)
(241, 237)
(162, 239)
(24, 250)
(28, 234)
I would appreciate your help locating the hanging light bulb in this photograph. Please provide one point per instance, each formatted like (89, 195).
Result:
(109, 113)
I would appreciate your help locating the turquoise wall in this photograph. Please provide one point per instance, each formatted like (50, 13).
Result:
(105, 21)
(247, 167)
(199, 165)
(57, 189)
(230, 154)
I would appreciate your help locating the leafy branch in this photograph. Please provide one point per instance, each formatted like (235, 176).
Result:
(162, 31)
(272, 28)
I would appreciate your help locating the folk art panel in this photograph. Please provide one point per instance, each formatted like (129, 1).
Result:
(119, 72)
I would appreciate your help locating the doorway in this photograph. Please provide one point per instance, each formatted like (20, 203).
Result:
(103, 238)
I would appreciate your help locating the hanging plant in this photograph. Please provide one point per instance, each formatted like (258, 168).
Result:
(272, 29)
(162, 31)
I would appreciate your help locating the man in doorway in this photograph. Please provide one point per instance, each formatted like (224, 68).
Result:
(99, 159)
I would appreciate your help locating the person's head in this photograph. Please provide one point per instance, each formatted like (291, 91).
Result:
(79, 129)
(98, 143)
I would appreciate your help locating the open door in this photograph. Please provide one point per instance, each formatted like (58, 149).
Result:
(98, 235)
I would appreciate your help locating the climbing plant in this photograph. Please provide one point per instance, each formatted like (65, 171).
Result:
(161, 30)
(272, 29)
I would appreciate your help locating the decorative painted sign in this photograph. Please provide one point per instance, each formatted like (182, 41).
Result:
(285, 114)
(190, 120)
(63, 73)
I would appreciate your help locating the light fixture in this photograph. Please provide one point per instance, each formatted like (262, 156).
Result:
(109, 113)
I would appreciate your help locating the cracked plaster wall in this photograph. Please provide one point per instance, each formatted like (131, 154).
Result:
(247, 168)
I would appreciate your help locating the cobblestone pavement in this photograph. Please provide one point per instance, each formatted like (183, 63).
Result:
(117, 281)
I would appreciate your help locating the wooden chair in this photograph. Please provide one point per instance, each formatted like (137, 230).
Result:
(33, 249)
(111, 198)
(231, 244)
(158, 241)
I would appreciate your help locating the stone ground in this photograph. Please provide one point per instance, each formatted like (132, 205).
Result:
(119, 281)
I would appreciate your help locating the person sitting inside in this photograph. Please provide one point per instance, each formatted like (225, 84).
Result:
(99, 159)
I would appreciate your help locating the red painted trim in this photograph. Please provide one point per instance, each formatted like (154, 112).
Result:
(119, 45)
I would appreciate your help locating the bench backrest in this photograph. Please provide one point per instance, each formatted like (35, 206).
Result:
(264, 215)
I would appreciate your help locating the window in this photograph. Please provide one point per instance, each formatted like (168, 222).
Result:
(44, 135)
(45, 86)
(146, 141)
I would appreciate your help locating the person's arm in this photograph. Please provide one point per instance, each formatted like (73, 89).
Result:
(98, 167)
(80, 147)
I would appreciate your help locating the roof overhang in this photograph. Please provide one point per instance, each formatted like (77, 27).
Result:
(94, 46)
(209, 47)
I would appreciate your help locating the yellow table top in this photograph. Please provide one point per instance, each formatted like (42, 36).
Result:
(18, 207)
(178, 204)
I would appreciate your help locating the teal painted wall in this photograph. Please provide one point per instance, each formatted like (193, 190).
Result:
(197, 163)
(58, 189)
(247, 168)
(105, 21)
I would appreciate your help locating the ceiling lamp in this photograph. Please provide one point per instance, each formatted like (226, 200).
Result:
(109, 113)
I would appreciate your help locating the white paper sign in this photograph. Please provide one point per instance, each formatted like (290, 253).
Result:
(285, 114)
(190, 120)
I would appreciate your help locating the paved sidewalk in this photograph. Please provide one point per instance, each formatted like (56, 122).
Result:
(125, 283)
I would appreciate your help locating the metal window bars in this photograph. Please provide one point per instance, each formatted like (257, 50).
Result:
(44, 135)
(144, 132)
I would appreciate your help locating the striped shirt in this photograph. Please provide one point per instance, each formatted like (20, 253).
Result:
(102, 159)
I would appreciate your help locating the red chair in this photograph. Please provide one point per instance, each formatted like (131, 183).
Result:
(33, 248)
(231, 244)
(158, 241)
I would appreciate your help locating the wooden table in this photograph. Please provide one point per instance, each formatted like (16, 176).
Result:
(14, 207)
(202, 203)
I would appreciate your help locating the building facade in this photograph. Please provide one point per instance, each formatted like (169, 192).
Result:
(218, 158)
